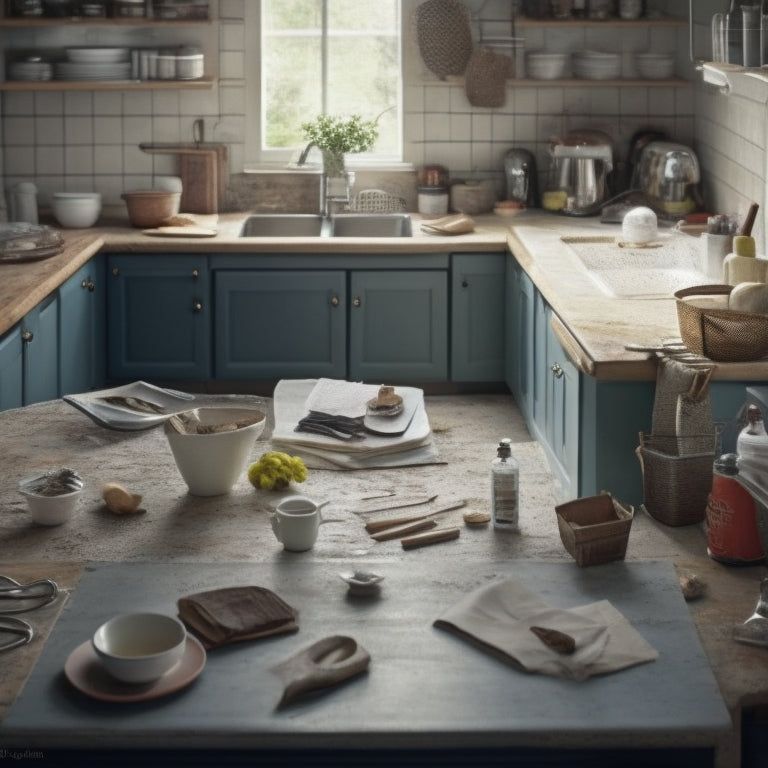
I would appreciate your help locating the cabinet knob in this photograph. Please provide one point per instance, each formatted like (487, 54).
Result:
(197, 305)
(195, 273)
(88, 284)
(357, 302)
(557, 371)
(464, 283)
(115, 271)
(335, 301)
(27, 336)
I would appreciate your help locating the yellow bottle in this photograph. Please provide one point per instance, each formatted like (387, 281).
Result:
(743, 265)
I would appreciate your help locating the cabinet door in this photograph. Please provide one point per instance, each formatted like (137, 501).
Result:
(398, 326)
(158, 317)
(11, 370)
(562, 414)
(520, 308)
(477, 317)
(539, 370)
(280, 324)
(81, 329)
(40, 334)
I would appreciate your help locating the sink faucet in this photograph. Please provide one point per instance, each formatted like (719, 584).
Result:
(336, 189)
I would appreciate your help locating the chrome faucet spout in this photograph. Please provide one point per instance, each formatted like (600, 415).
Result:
(305, 153)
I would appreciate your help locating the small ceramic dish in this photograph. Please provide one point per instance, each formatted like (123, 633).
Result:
(52, 497)
(362, 582)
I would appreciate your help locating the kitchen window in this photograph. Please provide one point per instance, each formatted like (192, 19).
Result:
(328, 56)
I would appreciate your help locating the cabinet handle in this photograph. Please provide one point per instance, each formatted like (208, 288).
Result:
(27, 336)
(335, 301)
(357, 302)
(115, 271)
(88, 284)
(197, 305)
(464, 283)
(195, 273)
(557, 371)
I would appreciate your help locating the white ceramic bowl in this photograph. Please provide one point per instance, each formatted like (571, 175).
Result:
(655, 66)
(140, 647)
(540, 65)
(212, 463)
(76, 210)
(596, 65)
(49, 510)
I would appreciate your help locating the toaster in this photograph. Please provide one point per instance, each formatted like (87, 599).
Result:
(668, 175)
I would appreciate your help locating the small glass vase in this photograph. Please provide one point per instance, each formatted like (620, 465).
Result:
(333, 163)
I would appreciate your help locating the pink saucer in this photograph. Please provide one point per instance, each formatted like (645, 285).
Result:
(86, 673)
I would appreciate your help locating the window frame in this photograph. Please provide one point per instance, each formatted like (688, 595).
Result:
(254, 128)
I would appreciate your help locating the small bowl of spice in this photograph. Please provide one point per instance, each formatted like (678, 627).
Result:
(52, 497)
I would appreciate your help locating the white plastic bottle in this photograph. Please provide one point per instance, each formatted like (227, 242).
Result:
(505, 488)
(743, 265)
(752, 445)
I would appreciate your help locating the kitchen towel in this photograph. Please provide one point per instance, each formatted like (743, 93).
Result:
(499, 616)
(233, 614)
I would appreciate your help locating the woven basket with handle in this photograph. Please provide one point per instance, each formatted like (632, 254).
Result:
(721, 334)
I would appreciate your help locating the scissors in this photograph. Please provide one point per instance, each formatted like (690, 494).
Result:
(26, 597)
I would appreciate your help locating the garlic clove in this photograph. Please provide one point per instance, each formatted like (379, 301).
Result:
(119, 499)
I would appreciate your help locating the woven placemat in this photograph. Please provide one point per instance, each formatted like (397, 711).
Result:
(444, 36)
(486, 77)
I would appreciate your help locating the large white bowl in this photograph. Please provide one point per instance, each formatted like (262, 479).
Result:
(211, 464)
(541, 65)
(140, 647)
(655, 66)
(596, 65)
(76, 210)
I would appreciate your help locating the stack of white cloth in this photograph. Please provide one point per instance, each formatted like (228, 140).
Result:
(294, 399)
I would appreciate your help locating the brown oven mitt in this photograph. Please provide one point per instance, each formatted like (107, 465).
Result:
(234, 614)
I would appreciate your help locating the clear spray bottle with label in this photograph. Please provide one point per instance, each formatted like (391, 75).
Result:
(505, 488)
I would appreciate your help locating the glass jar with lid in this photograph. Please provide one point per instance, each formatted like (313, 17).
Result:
(601, 9)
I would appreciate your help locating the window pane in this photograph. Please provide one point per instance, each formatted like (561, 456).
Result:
(358, 73)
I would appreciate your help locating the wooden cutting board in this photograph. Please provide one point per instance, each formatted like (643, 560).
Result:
(200, 181)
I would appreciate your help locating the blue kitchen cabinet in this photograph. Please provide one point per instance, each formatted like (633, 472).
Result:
(40, 352)
(11, 369)
(158, 317)
(477, 317)
(398, 326)
(280, 324)
(82, 334)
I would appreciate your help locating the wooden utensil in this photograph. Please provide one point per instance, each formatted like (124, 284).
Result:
(374, 526)
(431, 537)
(403, 530)
(397, 504)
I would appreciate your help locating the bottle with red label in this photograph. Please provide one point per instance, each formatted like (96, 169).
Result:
(732, 533)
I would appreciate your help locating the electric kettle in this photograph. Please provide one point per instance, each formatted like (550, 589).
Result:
(579, 173)
(522, 182)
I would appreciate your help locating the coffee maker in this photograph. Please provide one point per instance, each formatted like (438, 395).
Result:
(522, 181)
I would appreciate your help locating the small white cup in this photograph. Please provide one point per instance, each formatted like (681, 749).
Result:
(296, 522)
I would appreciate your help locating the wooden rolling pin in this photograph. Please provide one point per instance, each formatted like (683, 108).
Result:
(403, 530)
(431, 537)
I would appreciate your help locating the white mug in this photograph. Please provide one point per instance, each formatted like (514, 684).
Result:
(296, 522)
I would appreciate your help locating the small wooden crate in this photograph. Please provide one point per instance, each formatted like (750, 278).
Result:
(595, 529)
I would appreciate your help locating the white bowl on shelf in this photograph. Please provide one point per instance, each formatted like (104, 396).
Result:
(542, 65)
(655, 66)
(596, 65)
(76, 210)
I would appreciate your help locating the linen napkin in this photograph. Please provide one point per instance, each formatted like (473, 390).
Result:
(498, 617)
(234, 614)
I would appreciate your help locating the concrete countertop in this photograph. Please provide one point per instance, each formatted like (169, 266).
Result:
(177, 527)
(594, 329)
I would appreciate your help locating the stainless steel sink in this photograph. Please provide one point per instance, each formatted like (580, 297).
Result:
(340, 225)
(282, 225)
(371, 225)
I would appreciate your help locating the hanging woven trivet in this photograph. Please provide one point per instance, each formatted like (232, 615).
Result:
(485, 80)
(445, 37)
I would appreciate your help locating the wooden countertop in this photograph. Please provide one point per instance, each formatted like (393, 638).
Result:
(594, 328)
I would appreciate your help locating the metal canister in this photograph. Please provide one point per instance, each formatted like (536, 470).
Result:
(732, 532)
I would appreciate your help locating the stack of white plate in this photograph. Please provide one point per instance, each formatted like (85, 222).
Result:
(540, 65)
(655, 66)
(98, 55)
(596, 65)
(30, 70)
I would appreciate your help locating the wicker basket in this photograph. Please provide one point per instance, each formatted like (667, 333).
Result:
(595, 529)
(721, 334)
(675, 488)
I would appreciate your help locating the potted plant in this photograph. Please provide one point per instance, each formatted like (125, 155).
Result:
(336, 136)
